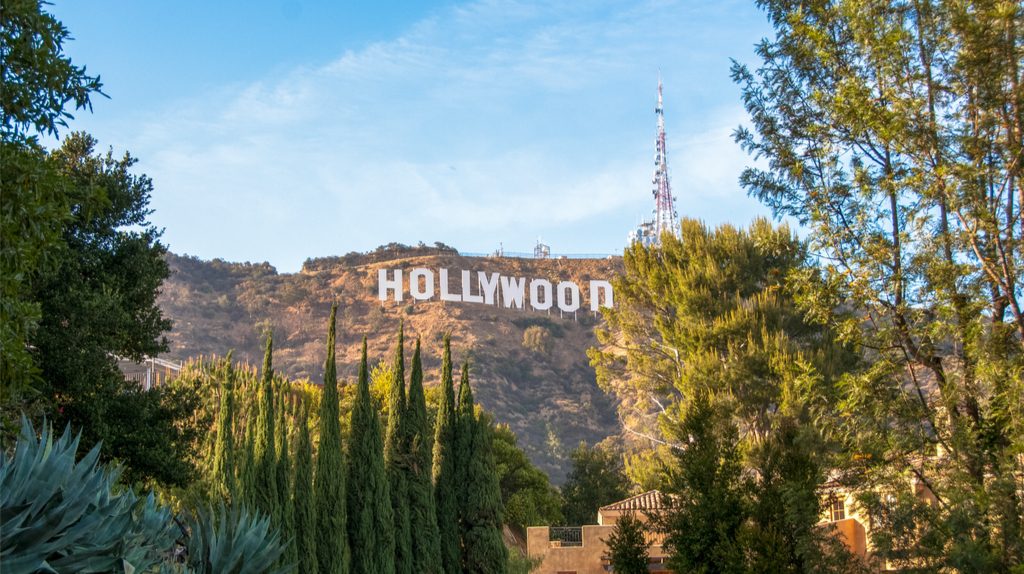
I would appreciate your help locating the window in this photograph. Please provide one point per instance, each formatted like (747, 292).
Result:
(836, 509)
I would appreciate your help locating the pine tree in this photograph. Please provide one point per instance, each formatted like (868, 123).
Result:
(370, 516)
(426, 546)
(396, 451)
(332, 539)
(483, 549)
(305, 509)
(627, 546)
(265, 492)
(708, 510)
(285, 503)
(444, 468)
(223, 480)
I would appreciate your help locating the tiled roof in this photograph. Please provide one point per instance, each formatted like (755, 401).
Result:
(650, 500)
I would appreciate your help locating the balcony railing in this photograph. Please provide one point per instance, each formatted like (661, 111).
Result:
(562, 536)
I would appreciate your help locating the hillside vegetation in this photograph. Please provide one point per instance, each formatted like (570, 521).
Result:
(530, 368)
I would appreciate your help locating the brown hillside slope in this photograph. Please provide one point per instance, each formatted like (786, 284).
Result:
(546, 393)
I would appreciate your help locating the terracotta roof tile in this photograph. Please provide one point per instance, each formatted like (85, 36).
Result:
(650, 500)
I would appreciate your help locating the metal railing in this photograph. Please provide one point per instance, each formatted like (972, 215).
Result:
(561, 536)
(525, 255)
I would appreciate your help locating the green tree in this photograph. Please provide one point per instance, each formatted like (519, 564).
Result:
(370, 516)
(285, 485)
(39, 83)
(596, 479)
(396, 459)
(305, 505)
(705, 515)
(222, 482)
(892, 131)
(265, 494)
(246, 467)
(331, 524)
(426, 544)
(444, 466)
(627, 546)
(712, 312)
(483, 549)
(31, 220)
(527, 495)
(98, 303)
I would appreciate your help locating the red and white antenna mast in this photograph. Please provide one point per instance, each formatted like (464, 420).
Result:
(665, 204)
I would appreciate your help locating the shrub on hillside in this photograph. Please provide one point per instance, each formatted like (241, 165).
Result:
(537, 339)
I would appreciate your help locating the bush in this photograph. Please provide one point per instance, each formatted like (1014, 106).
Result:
(57, 515)
(62, 516)
(537, 339)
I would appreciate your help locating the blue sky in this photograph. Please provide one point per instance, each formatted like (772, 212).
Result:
(277, 131)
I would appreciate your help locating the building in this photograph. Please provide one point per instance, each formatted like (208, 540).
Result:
(150, 372)
(582, 549)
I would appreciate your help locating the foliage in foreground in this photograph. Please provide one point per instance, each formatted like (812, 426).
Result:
(627, 546)
(708, 349)
(63, 516)
(596, 479)
(892, 131)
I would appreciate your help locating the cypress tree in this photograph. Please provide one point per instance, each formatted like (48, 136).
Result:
(396, 451)
(444, 469)
(426, 546)
(305, 509)
(483, 550)
(463, 436)
(370, 516)
(285, 503)
(247, 468)
(332, 536)
(223, 479)
(265, 485)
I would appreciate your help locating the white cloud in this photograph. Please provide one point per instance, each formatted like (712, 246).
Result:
(491, 119)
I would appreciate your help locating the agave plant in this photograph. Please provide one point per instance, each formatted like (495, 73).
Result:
(58, 515)
(231, 540)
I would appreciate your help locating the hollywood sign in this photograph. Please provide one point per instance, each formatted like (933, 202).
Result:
(490, 287)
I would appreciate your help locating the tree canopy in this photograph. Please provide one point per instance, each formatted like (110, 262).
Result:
(893, 132)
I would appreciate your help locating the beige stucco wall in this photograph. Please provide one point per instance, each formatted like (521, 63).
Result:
(585, 559)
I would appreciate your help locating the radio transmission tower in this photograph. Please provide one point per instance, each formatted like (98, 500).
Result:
(649, 232)
(665, 204)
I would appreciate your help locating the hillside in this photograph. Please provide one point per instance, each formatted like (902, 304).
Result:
(544, 389)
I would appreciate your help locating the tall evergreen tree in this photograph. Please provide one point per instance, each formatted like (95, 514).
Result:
(396, 455)
(246, 467)
(285, 502)
(426, 546)
(444, 468)
(305, 507)
(627, 546)
(707, 511)
(483, 549)
(223, 479)
(370, 516)
(265, 486)
(332, 535)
